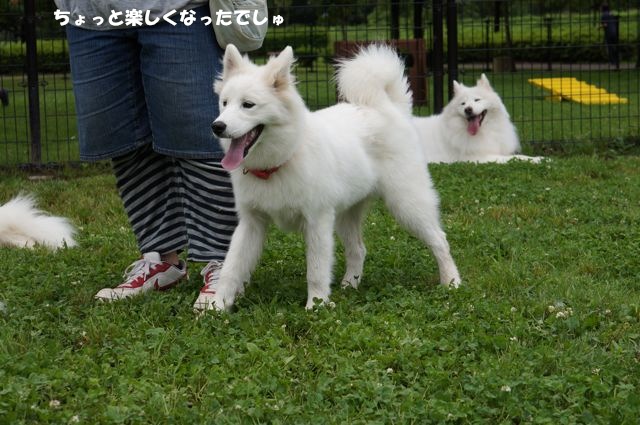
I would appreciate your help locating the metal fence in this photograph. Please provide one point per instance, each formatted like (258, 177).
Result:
(515, 43)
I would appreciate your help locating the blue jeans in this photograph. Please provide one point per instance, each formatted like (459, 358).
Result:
(136, 86)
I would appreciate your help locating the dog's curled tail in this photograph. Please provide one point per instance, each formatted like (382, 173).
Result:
(373, 77)
(23, 225)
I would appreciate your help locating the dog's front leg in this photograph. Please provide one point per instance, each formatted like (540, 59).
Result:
(318, 235)
(244, 252)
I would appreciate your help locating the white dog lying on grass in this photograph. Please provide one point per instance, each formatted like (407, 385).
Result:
(473, 127)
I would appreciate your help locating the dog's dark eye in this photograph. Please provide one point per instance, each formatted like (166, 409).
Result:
(248, 105)
(463, 103)
(476, 100)
(224, 103)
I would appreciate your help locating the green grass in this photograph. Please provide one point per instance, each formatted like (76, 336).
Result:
(544, 330)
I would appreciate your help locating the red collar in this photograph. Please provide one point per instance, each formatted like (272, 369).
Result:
(262, 174)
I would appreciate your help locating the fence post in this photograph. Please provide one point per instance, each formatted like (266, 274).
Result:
(547, 22)
(452, 44)
(438, 66)
(418, 28)
(487, 57)
(638, 31)
(395, 20)
(32, 80)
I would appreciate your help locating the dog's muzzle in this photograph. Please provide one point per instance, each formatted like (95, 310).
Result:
(218, 128)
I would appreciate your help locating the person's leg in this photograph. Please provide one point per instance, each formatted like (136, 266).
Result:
(179, 65)
(113, 123)
(110, 102)
(210, 220)
(149, 185)
(209, 209)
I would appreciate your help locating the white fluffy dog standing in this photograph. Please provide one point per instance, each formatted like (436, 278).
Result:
(22, 225)
(473, 127)
(314, 172)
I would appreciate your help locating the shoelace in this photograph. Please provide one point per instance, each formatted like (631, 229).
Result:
(211, 272)
(136, 269)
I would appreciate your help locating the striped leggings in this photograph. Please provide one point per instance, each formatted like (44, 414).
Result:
(174, 203)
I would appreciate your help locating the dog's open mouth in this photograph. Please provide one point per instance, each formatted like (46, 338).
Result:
(240, 147)
(474, 122)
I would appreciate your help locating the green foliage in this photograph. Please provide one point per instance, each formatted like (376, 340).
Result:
(574, 37)
(302, 38)
(53, 56)
(544, 329)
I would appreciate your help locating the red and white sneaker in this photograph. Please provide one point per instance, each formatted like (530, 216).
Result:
(149, 273)
(211, 276)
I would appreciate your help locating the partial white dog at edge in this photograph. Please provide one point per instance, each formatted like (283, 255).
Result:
(314, 172)
(473, 127)
(23, 225)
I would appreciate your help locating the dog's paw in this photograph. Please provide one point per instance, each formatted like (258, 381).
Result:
(211, 301)
(452, 283)
(531, 159)
(315, 302)
(350, 281)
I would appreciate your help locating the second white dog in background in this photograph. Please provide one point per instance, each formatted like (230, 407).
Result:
(23, 225)
(473, 127)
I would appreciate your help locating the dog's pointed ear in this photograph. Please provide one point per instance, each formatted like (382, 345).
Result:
(279, 69)
(232, 60)
(456, 86)
(484, 82)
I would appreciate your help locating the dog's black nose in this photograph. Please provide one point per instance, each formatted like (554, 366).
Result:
(218, 128)
(468, 110)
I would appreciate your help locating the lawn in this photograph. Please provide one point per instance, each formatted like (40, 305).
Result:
(544, 329)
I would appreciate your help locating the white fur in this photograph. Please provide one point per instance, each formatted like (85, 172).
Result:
(445, 137)
(22, 225)
(331, 161)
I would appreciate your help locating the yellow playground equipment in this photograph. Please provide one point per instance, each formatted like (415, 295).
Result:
(570, 88)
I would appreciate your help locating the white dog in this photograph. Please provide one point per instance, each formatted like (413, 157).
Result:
(22, 225)
(314, 172)
(473, 127)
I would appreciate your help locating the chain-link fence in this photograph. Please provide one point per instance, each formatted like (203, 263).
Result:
(37, 119)
(515, 43)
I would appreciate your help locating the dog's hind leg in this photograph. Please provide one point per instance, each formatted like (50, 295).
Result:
(349, 229)
(318, 235)
(414, 203)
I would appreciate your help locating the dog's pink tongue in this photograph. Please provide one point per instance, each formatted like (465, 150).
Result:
(234, 156)
(474, 125)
